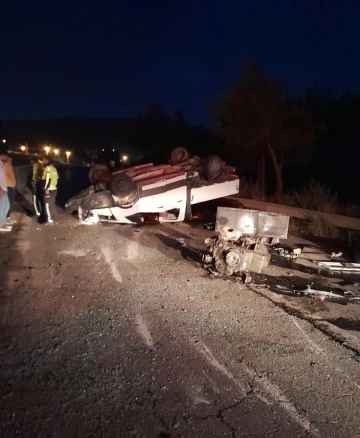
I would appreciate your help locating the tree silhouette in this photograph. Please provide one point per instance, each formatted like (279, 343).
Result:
(156, 113)
(179, 118)
(256, 116)
(155, 132)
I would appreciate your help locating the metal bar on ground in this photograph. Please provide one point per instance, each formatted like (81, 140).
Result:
(300, 213)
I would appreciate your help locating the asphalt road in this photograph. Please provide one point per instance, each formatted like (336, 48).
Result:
(114, 331)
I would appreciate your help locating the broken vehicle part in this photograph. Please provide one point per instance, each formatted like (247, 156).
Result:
(235, 256)
(246, 278)
(286, 251)
(238, 246)
(252, 222)
(210, 226)
(90, 199)
(318, 294)
(339, 266)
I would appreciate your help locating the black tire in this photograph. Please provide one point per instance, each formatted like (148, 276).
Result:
(178, 155)
(99, 174)
(125, 189)
(131, 199)
(213, 167)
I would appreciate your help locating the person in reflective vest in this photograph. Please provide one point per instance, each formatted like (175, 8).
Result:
(51, 177)
(37, 185)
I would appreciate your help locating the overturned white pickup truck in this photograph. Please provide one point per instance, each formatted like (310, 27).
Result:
(162, 193)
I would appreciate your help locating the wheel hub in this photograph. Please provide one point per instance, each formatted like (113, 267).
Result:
(123, 186)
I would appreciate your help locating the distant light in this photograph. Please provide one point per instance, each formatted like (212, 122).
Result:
(103, 150)
(23, 148)
(4, 140)
(56, 151)
(68, 153)
(113, 150)
(47, 149)
(125, 158)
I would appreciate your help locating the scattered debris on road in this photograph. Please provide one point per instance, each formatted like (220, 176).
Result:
(286, 251)
(240, 244)
(246, 278)
(210, 226)
(240, 249)
(339, 266)
(348, 297)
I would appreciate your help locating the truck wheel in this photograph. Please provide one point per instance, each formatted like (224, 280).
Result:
(98, 174)
(125, 189)
(213, 167)
(178, 155)
(131, 199)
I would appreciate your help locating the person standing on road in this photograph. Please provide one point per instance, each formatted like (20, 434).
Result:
(4, 200)
(10, 183)
(37, 185)
(51, 177)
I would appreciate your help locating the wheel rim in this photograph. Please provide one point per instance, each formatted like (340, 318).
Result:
(123, 186)
(214, 166)
(180, 156)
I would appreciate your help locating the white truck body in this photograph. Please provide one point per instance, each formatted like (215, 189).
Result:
(168, 198)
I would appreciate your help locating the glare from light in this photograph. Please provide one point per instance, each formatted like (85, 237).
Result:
(68, 153)
(56, 151)
(4, 140)
(47, 149)
(113, 150)
(103, 150)
(125, 157)
(23, 148)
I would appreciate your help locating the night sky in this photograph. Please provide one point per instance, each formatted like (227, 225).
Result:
(89, 58)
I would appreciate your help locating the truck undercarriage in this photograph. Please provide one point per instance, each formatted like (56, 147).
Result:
(164, 192)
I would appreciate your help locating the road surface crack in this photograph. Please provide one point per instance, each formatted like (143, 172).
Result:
(220, 414)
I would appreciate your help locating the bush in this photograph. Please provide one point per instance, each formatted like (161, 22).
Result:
(251, 190)
(318, 197)
(313, 196)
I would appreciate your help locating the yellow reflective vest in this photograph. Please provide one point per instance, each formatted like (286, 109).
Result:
(51, 177)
